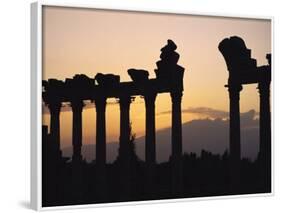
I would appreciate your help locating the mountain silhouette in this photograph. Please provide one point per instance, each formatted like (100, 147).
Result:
(197, 135)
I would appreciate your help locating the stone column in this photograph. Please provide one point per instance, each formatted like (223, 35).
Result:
(124, 148)
(177, 170)
(51, 155)
(176, 125)
(124, 126)
(101, 188)
(234, 135)
(77, 107)
(150, 150)
(150, 156)
(265, 134)
(100, 103)
(55, 126)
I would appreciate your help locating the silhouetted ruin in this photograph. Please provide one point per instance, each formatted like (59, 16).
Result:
(243, 70)
(74, 181)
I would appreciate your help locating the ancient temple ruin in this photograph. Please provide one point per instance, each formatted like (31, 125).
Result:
(81, 88)
(244, 70)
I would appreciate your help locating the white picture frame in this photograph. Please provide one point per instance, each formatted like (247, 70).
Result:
(36, 100)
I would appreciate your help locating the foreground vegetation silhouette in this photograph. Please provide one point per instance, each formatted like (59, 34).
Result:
(69, 183)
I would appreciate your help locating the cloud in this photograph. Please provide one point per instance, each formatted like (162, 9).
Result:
(211, 113)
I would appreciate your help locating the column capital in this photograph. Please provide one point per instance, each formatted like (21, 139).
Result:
(54, 106)
(264, 87)
(149, 98)
(176, 96)
(125, 100)
(100, 98)
(77, 105)
(234, 87)
(100, 102)
(234, 91)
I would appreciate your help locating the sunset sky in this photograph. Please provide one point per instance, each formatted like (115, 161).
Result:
(88, 41)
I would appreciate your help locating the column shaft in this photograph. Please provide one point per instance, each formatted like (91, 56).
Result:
(77, 107)
(124, 148)
(234, 135)
(176, 125)
(55, 124)
(176, 160)
(265, 134)
(150, 150)
(100, 130)
(150, 153)
(101, 186)
(124, 126)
